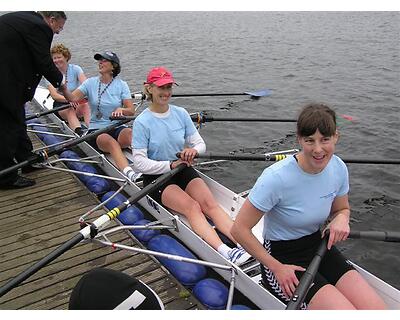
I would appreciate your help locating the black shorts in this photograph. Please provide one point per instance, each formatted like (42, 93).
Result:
(113, 133)
(300, 252)
(57, 104)
(181, 179)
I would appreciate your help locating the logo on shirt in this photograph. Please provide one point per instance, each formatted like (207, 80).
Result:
(329, 195)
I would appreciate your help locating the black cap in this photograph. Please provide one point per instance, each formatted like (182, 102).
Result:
(108, 55)
(105, 289)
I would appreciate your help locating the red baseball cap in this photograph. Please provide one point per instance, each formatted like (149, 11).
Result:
(160, 76)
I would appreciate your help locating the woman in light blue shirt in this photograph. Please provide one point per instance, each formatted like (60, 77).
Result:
(296, 196)
(109, 96)
(74, 76)
(161, 131)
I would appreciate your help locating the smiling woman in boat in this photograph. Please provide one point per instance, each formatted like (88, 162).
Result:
(296, 196)
(74, 76)
(161, 131)
(109, 96)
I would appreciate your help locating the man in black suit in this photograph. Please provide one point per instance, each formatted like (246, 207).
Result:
(25, 40)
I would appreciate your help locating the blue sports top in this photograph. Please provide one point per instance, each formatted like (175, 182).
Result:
(163, 137)
(73, 72)
(296, 203)
(111, 99)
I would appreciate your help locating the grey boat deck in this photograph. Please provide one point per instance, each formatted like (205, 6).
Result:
(36, 220)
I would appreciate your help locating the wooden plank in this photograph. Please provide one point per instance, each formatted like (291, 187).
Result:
(37, 220)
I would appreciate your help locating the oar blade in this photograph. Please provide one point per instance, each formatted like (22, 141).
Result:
(259, 94)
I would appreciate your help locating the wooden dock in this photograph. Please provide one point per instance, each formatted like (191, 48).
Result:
(36, 220)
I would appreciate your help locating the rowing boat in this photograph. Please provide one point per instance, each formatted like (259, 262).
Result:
(247, 277)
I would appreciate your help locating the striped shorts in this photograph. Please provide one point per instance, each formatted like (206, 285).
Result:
(300, 252)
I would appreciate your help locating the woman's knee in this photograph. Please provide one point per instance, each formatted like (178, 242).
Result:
(329, 298)
(105, 142)
(125, 138)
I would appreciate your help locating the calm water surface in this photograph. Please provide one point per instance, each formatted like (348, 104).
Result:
(349, 60)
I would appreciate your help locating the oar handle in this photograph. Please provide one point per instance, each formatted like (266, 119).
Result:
(386, 236)
(308, 277)
(119, 118)
(40, 264)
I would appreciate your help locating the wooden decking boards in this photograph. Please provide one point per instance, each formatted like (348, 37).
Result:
(36, 220)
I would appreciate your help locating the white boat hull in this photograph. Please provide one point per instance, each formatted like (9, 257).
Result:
(248, 283)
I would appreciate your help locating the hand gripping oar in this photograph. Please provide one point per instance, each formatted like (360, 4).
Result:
(91, 230)
(308, 277)
(386, 236)
(46, 153)
(252, 94)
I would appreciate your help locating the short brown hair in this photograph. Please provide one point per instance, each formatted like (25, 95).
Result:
(61, 49)
(316, 116)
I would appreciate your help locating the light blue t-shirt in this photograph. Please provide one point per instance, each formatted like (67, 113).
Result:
(73, 72)
(297, 203)
(111, 99)
(163, 137)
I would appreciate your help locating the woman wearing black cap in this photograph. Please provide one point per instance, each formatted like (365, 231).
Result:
(109, 96)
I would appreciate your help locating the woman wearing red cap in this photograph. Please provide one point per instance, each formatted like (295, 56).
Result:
(161, 131)
(109, 96)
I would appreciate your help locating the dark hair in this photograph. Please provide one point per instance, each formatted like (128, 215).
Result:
(316, 116)
(56, 14)
(116, 68)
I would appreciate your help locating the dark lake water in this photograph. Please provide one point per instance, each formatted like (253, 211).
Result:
(349, 60)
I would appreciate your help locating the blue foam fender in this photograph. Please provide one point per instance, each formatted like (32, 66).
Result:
(114, 202)
(40, 128)
(240, 307)
(187, 273)
(68, 154)
(144, 235)
(84, 167)
(211, 293)
(130, 216)
(49, 139)
(97, 185)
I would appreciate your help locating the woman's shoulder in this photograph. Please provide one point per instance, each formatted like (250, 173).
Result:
(75, 67)
(143, 116)
(178, 110)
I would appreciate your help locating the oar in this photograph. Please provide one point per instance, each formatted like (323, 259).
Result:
(46, 153)
(307, 278)
(200, 117)
(63, 107)
(251, 157)
(91, 230)
(253, 94)
(386, 236)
